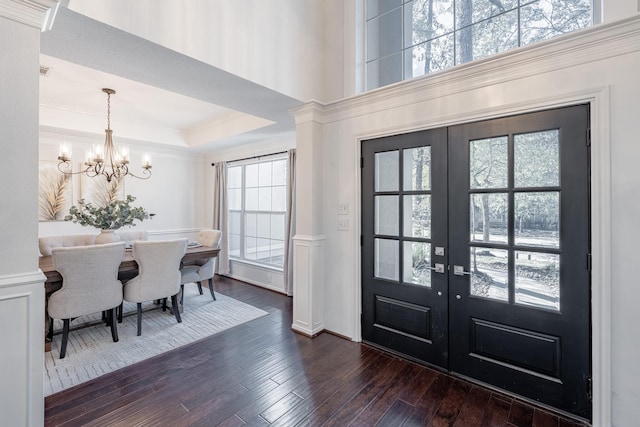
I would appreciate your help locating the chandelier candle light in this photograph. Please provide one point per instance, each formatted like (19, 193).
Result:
(106, 161)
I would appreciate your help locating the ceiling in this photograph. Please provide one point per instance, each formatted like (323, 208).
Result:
(161, 96)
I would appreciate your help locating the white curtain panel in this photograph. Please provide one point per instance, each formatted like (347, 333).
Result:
(290, 226)
(220, 216)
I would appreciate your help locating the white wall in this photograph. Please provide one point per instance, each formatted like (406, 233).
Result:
(174, 192)
(279, 44)
(599, 66)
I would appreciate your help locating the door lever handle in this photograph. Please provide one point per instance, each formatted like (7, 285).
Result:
(439, 268)
(458, 270)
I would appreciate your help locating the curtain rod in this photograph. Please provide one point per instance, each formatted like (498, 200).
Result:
(254, 157)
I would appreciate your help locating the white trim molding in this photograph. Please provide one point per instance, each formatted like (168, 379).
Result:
(35, 13)
(22, 331)
(308, 285)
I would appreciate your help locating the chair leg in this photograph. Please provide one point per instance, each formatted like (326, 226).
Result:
(50, 333)
(213, 295)
(65, 337)
(114, 324)
(181, 294)
(176, 310)
(139, 318)
(199, 287)
(120, 307)
(164, 304)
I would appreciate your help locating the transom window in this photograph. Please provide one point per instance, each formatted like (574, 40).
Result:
(257, 195)
(407, 39)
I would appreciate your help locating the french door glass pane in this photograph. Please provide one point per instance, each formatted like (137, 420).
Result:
(537, 219)
(387, 216)
(417, 216)
(417, 169)
(536, 159)
(488, 214)
(537, 279)
(386, 171)
(386, 259)
(417, 260)
(489, 273)
(488, 161)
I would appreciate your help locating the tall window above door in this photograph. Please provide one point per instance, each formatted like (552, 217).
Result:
(407, 39)
(257, 193)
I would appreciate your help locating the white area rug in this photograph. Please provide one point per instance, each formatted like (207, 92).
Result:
(91, 352)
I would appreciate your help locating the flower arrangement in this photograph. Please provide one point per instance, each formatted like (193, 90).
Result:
(114, 215)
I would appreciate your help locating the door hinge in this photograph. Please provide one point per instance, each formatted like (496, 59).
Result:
(589, 262)
(590, 388)
(361, 162)
(589, 137)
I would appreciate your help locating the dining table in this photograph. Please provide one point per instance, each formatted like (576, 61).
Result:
(127, 270)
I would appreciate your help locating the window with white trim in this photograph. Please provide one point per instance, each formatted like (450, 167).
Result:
(410, 38)
(257, 200)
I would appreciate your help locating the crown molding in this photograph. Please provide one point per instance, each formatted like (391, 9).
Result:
(35, 13)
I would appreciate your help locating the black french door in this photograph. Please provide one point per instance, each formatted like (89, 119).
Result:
(476, 251)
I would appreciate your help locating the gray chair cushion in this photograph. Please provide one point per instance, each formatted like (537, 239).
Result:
(158, 270)
(89, 280)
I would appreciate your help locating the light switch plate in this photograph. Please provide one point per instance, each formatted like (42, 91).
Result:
(343, 208)
(343, 223)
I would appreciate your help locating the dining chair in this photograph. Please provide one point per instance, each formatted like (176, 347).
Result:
(200, 270)
(158, 274)
(89, 285)
(47, 243)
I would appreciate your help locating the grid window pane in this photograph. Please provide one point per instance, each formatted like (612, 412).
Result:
(251, 176)
(234, 177)
(251, 199)
(538, 279)
(256, 224)
(406, 39)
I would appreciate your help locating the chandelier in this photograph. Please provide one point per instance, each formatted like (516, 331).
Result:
(104, 161)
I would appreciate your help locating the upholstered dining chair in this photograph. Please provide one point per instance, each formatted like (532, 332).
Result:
(158, 274)
(201, 270)
(89, 285)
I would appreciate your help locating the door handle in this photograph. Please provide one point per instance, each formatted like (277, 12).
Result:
(439, 268)
(458, 270)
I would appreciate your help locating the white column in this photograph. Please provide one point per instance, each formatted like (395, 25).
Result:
(308, 242)
(21, 282)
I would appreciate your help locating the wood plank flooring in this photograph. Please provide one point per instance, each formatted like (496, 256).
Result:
(261, 373)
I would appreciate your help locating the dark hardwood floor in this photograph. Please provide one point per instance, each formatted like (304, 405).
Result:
(262, 373)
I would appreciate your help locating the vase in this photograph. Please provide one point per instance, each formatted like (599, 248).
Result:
(107, 236)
